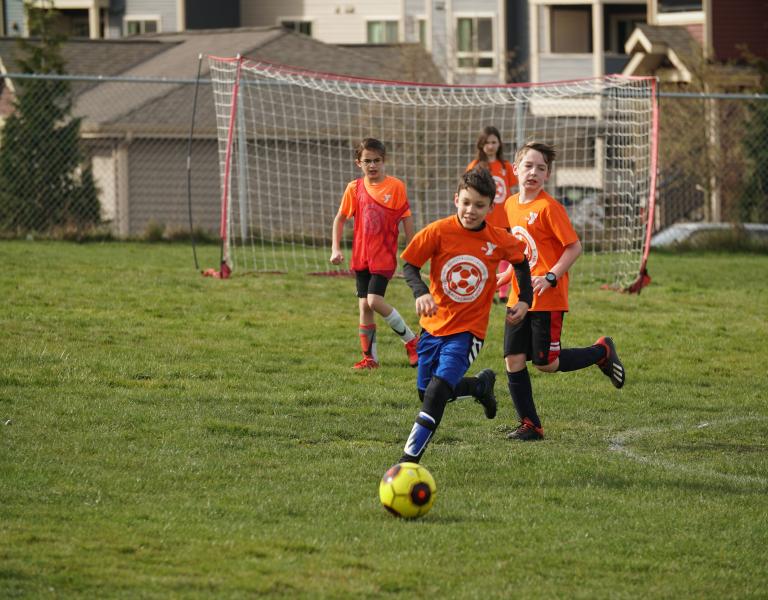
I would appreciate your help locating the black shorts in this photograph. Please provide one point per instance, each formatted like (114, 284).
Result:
(370, 284)
(537, 336)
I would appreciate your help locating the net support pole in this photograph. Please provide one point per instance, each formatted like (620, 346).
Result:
(226, 187)
(242, 169)
(643, 278)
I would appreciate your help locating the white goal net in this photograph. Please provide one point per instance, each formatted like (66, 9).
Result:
(286, 151)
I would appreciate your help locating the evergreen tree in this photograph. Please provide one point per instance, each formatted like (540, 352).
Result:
(43, 182)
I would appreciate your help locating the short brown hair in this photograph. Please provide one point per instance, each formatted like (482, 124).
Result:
(373, 144)
(548, 151)
(480, 179)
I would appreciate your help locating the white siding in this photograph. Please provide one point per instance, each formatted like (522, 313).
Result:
(565, 67)
(165, 9)
(336, 22)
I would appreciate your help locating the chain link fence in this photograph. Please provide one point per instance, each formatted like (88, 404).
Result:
(109, 156)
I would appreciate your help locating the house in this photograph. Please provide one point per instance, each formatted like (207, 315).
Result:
(681, 37)
(571, 41)
(137, 127)
(112, 19)
(467, 40)
(706, 47)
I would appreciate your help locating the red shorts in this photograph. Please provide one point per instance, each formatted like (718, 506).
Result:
(537, 336)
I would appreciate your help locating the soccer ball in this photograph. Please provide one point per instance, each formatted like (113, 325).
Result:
(463, 279)
(407, 490)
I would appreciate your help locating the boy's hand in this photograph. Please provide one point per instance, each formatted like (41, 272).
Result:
(425, 306)
(504, 278)
(337, 257)
(540, 285)
(516, 313)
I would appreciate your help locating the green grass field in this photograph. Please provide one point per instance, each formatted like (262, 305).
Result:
(168, 435)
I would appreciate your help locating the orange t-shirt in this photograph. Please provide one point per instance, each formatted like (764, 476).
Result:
(545, 229)
(462, 272)
(389, 193)
(505, 179)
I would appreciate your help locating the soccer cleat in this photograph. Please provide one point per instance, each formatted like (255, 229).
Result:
(488, 399)
(410, 349)
(611, 365)
(527, 432)
(366, 363)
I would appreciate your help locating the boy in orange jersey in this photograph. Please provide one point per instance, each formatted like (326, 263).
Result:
(463, 252)
(552, 246)
(490, 154)
(378, 204)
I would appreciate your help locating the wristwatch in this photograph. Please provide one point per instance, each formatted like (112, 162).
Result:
(551, 279)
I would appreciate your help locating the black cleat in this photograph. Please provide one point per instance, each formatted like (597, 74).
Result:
(487, 398)
(527, 432)
(611, 365)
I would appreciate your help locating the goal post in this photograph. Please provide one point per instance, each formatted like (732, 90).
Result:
(286, 153)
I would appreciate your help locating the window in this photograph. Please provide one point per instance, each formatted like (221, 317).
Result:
(423, 33)
(304, 27)
(474, 43)
(571, 29)
(139, 25)
(668, 6)
(619, 26)
(382, 32)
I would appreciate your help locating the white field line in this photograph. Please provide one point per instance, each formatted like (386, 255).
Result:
(621, 441)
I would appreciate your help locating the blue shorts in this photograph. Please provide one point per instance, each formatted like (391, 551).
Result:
(447, 357)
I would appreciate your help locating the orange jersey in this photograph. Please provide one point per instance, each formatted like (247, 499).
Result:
(390, 193)
(505, 180)
(462, 273)
(545, 229)
(378, 209)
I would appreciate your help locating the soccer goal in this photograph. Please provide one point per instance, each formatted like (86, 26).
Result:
(286, 152)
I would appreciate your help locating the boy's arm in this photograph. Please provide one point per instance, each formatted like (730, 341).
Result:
(517, 313)
(338, 225)
(408, 229)
(425, 303)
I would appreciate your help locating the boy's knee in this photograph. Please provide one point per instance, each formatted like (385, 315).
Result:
(549, 367)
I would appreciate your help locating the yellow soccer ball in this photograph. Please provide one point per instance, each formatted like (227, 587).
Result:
(407, 490)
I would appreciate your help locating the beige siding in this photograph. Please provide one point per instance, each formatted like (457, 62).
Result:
(332, 22)
(157, 184)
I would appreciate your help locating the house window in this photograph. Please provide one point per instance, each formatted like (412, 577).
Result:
(423, 33)
(382, 32)
(304, 27)
(139, 25)
(474, 43)
(668, 6)
(571, 29)
(619, 28)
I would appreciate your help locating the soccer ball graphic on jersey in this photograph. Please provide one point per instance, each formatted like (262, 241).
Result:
(463, 278)
(407, 490)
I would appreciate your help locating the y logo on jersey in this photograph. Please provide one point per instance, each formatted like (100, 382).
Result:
(387, 197)
(532, 217)
(463, 278)
(489, 248)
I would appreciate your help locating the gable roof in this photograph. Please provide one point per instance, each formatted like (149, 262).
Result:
(667, 51)
(673, 55)
(166, 106)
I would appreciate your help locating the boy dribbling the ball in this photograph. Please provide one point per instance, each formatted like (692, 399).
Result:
(552, 246)
(464, 252)
(378, 203)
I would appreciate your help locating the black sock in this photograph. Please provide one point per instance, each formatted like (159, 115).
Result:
(522, 395)
(573, 359)
(468, 386)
